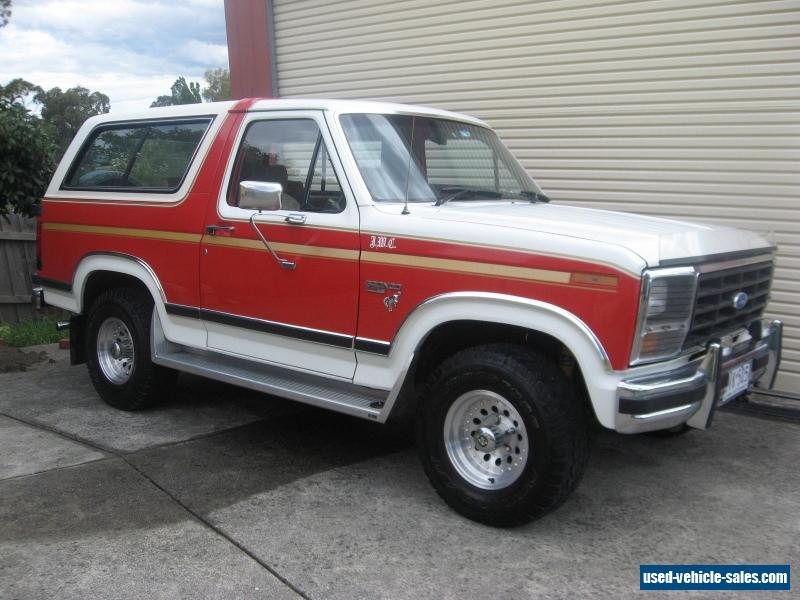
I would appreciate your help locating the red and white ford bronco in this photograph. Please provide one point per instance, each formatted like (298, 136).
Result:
(380, 259)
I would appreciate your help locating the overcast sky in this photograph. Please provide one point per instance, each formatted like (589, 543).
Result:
(131, 50)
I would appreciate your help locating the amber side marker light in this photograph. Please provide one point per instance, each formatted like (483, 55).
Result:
(649, 345)
(594, 279)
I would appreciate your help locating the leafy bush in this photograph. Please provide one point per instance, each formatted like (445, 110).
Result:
(26, 160)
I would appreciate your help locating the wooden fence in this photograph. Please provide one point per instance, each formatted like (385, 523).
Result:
(17, 264)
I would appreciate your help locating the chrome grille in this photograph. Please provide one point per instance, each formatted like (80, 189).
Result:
(714, 313)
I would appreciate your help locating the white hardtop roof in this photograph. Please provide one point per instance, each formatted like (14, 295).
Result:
(359, 106)
(336, 106)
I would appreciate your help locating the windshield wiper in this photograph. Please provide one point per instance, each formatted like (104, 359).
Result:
(460, 192)
(534, 196)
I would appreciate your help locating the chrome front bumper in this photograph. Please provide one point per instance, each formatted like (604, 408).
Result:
(691, 393)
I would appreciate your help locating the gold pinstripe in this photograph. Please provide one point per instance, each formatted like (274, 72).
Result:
(463, 266)
(404, 236)
(406, 260)
(152, 234)
(191, 237)
(299, 249)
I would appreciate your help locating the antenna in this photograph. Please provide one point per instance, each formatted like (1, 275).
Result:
(408, 169)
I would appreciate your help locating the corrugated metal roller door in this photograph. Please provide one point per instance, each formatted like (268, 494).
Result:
(678, 107)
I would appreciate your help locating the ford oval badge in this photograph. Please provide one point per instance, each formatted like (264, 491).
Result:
(740, 300)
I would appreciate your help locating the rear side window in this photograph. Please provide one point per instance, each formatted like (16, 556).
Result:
(137, 157)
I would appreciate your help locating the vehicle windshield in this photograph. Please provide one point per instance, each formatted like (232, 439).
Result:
(429, 159)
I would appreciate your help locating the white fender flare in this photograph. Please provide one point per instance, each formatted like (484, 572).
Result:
(184, 331)
(601, 381)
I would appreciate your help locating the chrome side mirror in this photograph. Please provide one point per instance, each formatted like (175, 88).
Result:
(260, 195)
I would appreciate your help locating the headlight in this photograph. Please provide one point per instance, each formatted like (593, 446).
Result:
(665, 314)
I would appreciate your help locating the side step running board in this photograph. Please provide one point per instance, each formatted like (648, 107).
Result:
(334, 394)
(341, 396)
(310, 389)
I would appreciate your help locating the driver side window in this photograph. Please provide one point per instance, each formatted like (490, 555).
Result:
(290, 152)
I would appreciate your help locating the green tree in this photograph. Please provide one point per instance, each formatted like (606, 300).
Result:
(26, 159)
(162, 101)
(218, 85)
(63, 112)
(5, 12)
(182, 92)
(16, 90)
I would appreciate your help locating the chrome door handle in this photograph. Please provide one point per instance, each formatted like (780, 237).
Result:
(295, 219)
(213, 229)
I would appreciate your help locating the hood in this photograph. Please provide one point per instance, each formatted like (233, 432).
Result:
(656, 240)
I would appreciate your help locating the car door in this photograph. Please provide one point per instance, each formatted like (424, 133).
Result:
(302, 313)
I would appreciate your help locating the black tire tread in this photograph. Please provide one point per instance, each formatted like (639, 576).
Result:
(149, 382)
(564, 415)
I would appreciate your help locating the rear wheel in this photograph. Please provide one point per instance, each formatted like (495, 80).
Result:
(501, 434)
(118, 350)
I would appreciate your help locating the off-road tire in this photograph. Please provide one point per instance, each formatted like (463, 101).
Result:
(555, 419)
(148, 383)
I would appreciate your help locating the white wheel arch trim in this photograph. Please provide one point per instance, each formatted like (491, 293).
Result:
(389, 373)
(181, 330)
(117, 263)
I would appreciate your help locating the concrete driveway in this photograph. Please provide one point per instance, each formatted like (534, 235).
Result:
(224, 493)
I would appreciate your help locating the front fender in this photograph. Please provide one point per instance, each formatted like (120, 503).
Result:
(389, 372)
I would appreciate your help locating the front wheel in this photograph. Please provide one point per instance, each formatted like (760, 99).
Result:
(501, 434)
(118, 350)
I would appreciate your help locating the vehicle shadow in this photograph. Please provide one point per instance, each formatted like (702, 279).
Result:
(288, 442)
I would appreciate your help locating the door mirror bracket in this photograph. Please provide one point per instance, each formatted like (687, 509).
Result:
(284, 263)
(259, 196)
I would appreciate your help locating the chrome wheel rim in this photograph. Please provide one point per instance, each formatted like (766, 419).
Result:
(486, 439)
(115, 350)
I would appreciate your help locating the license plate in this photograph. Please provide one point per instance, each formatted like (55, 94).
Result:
(738, 381)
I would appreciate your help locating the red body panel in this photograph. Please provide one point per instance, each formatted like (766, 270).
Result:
(320, 293)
